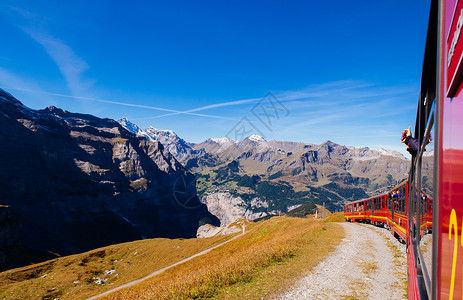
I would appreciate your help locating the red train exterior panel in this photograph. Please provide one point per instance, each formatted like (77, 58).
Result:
(450, 179)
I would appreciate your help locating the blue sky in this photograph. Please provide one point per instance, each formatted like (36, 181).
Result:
(345, 71)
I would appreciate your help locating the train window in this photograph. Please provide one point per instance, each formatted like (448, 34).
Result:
(368, 205)
(425, 176)
(402, 197)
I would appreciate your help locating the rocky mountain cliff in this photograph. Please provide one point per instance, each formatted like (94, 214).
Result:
(304, 163)
(74, 182)
(282, 175)
(180, 149)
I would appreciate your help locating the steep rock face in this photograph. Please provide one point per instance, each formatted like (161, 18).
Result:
(76, 182)
(180, 149)
(9, 231)
(228, 208)
(13, 252)
(9, 234)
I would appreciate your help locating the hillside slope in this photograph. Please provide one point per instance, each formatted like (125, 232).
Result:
(271, 255)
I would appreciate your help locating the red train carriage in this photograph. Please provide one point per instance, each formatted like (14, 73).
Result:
(355, 211)
(433, 201)
(396, 211)
(446, 270)
(440, 110)
(434, 196)
(386, 210)
(380, 213)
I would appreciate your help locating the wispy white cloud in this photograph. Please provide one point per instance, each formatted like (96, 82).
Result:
(349, 112)
(115, 102)
(9, 80)
(329, 94)
(211, 106)
(25, 15)
(71, 66)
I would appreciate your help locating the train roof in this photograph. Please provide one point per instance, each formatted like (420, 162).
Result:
(375, 196)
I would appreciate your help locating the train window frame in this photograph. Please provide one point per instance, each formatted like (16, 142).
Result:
(416, 211)
(368, 205)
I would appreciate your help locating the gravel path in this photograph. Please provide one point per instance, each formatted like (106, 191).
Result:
(369, 264)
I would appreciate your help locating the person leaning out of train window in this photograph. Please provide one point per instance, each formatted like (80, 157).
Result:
(412, 143)
(424, 197)
(390, 195)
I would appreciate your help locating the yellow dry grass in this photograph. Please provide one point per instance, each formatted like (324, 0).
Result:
(272, 255)
(262, 262)
(336, 217)
(73, 277)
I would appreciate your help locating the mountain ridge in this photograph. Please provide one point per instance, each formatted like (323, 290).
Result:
(234, 173)
(75, 182)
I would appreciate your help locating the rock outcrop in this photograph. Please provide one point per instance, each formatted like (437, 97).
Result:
(208, 230)
(228, 208)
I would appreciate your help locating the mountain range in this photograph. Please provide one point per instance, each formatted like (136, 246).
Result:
(72, 182)
(254, 177)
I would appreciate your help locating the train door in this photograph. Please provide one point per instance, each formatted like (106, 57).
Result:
(368, 209)
(373, 207)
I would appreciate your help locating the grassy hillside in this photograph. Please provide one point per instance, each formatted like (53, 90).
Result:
(264, 261)
(336, 217)
(269, 257)
(75, 276)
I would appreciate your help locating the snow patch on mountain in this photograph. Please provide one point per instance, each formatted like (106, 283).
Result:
(222, 140)
(366, 153)
(256, 138)
(130, 126)
(180, 149)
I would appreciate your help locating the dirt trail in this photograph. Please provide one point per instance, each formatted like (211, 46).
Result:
(132, 283)
(369, 264)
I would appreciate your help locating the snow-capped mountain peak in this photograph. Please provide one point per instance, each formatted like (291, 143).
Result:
(389, 153)
(256, 138)
(177, 146)
(222, 140)
(130, 126)
(159, 131)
